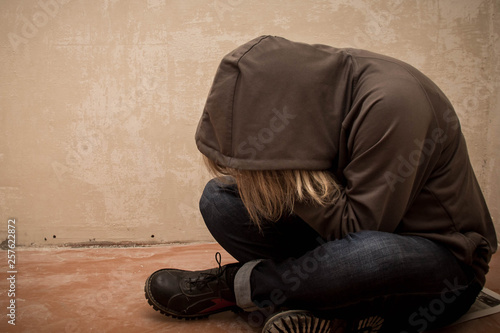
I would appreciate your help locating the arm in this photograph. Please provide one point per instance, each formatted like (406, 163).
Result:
(387, 166)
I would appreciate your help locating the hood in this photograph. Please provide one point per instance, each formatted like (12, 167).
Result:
(276, 104)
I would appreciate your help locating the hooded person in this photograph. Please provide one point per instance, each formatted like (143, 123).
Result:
(344, 190)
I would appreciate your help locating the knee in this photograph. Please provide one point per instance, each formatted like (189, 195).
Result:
(208, 197)
(210, 190)
(216, 199)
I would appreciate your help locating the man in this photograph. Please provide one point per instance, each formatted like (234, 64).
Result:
(348, 197)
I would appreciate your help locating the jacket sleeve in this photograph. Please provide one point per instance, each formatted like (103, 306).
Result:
(389, 148)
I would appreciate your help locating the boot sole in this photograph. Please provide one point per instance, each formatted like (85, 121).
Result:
(166, 312)
(294, 321)
(298, 321)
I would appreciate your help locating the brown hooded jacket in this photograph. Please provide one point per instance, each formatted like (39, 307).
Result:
(385, 130)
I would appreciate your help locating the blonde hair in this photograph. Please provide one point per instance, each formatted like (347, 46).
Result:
(271, 194)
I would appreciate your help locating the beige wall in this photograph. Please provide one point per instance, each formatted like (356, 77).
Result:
(99, 100)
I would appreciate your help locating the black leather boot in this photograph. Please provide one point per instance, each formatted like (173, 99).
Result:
(192, 294)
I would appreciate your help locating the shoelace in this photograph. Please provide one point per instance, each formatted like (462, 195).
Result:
(204, 278)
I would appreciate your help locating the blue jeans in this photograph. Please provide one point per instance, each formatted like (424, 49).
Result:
(413, 283)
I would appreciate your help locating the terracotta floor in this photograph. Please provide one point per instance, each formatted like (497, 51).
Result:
(101, 290)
